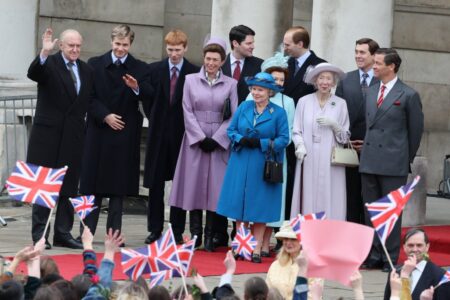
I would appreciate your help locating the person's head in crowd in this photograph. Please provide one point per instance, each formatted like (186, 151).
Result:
(49, 292)
(176, 45)
(141, 281)
(296, 41)
(66, 288)
(11, 290)
(180, 290)
(291, 245)
(48, 266)
(121, 39)
(50, 278)
(223, 292)
(242, 41)
(386, 64)
(324, 77)
(131, 291)
(159, 292)
(230, 297)
(416, 243)
(255, 288)
(365, 53)
(277, 66)
(81, 283)
(70, 42)
(214, 53)
(274, 294)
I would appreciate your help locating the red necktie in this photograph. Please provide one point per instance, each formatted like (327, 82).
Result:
(381, 98)
(173, 82)
(237, 70)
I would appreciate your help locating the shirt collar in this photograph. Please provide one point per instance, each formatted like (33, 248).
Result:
(303, 58)
(390, 84)
(178, 66)
(122, 59)
(421, 266)
(234, 59)
(66, 61)
(370, 73)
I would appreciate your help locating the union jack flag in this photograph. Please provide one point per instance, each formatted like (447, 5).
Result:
(83, 205)
(35, 184)
(158, 278)
(445, 278)
(296, 221)
(244, 242)
(385, 212)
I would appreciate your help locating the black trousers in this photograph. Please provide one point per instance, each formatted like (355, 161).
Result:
(291, 163)
(63, 220)
(355, 203)
(115, 210)
(374, 187)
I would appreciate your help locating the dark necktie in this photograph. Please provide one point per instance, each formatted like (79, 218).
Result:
(173, 82)
(364, 84)
(297, 67)
(72, 74)
(118, 62)
(381, 98)
(237, 70)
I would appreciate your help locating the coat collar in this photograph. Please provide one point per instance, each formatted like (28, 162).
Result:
(264, 117)
(107, 60)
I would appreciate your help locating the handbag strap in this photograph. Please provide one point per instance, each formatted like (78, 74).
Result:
(271, 153)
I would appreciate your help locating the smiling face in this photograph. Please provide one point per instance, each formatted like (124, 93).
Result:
(290, 47)
(70, 45)
(291, 246)
(279, 77)
(212, 62)
(382, 71)
(416, 246)
(325, 82)
(260, 94)
(120, 46)
(245, 48)
(364, 60)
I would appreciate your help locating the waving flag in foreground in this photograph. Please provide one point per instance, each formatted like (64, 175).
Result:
(445, 278)
(35, 184)
(385, 212)
(244, 242)
(296, 222)
(83, 205)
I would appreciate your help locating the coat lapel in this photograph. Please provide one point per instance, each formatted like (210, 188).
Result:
(266, 115)
(165, 79)
(65, 76)
(226, 68)
(389, 100)
(371, 103)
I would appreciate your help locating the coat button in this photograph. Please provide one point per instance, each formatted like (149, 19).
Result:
(368, 144)
(381, 146)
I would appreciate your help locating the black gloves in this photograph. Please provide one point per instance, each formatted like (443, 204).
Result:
(250, 142)
(208, 145)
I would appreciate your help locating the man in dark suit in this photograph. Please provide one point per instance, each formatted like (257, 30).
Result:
(421, 272)
(240, 62)
(111, 154)
(353, 88)
(296, 45)
(57, 135)
(165, 132)
(394, 127)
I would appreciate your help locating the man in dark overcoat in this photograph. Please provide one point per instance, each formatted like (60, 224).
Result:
(114, 123)
(57, 135)
(165, 132)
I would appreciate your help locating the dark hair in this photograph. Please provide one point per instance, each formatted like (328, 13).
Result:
(277, 69)
(81, 283)
(66, 288)
(300, 34)
(48, 292)
(11, 290)
(239, 33)
(373, 46)
(255, 289)
(390, 57)
(48, 266)
(159, 292)
(413, 231)
(141, 281)
(230, 297)
(215, 48)
(50, 278)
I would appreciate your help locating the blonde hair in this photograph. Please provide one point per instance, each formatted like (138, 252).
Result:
(285, 258)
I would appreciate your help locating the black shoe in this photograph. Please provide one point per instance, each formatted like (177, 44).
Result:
(386, 268)
(178, 239)
(152, 237)
(256, 258)
(198, 242)
(68, 243)
(78, 239)
(265, 254)
(220, 242)
(371, 264)
(209, 245)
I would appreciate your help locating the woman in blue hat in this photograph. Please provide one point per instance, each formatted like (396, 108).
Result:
(256, 125)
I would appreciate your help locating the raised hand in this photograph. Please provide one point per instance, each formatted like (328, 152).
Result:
(112, 243)
(48, 44)
(302, 262)
(408, 266)
(87, 238)
(230, 263)
(130, 81)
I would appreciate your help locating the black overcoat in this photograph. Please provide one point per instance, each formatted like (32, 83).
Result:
(57, 134)
(111, 157)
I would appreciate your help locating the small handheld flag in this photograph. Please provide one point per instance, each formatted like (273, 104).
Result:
(244, 242)
(296, 222)
(83, 205)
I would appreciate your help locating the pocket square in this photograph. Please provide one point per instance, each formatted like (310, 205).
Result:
(398, 103)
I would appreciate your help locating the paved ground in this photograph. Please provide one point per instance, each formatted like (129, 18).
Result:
(17, 234)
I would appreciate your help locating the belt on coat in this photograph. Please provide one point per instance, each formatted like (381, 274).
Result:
(209, 116)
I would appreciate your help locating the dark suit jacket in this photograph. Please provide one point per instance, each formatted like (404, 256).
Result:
(431, 275)
(57, 135)
(350, 89)
(295, 87)
(166, 121)
(252, 66)
(393, 131)
(111, 157)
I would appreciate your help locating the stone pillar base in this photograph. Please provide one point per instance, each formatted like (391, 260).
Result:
(415, 211)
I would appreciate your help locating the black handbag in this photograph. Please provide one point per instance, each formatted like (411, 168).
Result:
(273, 170)
(226, 110)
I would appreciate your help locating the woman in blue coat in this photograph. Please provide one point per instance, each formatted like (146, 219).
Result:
(245, 196)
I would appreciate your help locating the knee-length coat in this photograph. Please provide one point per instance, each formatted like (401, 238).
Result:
(245, 196)
(199, 175)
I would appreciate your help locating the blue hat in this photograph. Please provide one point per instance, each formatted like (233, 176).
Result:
(278, 60)
(264, 80)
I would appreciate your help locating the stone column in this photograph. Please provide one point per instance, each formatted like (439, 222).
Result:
(336, 25)
(268, 18)
(415, 211)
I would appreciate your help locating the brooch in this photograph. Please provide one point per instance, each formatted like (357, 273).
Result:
(333, 103)
(271, 110)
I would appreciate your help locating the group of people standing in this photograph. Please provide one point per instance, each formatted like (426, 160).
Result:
(213, 128)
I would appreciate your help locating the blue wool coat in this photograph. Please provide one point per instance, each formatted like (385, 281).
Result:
(245, 196)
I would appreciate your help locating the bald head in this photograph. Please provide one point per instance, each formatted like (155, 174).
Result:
(69, 33)
(70, 42)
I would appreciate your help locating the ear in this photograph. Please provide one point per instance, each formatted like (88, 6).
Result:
(235, 44)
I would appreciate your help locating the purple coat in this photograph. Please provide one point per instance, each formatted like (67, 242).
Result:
(199, 175)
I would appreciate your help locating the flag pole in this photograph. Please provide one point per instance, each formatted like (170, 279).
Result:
(179, 263)
(387, 255)
(48, 222)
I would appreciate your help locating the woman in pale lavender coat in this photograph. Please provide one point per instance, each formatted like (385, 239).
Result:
(205, 149)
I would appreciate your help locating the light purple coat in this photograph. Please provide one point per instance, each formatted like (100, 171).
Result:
(199, 175)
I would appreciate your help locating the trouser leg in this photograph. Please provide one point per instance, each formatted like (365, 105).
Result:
(63, 219)
(115, 208)
(155, 212)
(178, 220)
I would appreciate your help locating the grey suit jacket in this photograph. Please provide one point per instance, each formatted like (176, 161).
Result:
(350, 89)
(393, 131)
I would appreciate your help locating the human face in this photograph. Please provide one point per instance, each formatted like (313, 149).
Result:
(291, 246)
(70, 46)
(245, 48)
(120, 46)
(325, 82)
(212, 63)
(292, 49)
(279, 77)
(175, 53)
(416, 246)
(382, 71)
(260, 94)
(363, 58)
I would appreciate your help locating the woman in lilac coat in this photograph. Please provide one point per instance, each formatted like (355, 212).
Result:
(205, 148)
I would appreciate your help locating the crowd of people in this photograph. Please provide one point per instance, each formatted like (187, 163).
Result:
(244, 139)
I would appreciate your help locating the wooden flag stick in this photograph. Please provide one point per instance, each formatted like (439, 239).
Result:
(387, 255)
(179, 264)
(48, 222)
